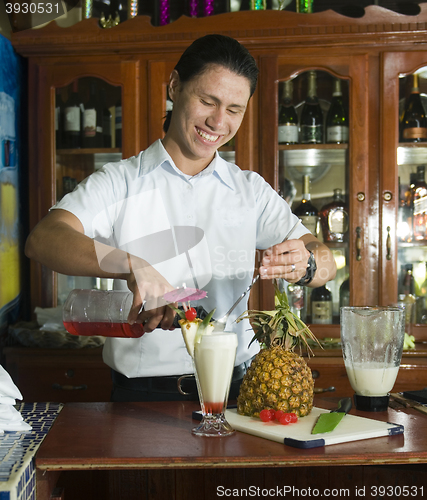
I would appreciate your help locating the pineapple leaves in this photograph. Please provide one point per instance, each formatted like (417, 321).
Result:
(280, 326)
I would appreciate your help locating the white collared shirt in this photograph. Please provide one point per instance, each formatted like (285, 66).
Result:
(206, 227)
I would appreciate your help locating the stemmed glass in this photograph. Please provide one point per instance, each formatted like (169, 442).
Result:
(214, 358)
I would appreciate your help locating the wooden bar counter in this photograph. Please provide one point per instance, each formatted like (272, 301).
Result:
(146, 451)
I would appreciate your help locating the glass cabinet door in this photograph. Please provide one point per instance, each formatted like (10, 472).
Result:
(319, 171)
(61, 156)
(314, 179)
(406, 75)
(88, 134)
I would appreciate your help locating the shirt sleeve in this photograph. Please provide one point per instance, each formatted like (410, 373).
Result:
(93, 196)
(275, 218)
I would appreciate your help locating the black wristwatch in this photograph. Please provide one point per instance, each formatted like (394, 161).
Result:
(311, 271)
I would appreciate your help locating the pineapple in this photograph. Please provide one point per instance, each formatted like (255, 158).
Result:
(278, 377)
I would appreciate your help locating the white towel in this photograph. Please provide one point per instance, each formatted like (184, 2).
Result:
(7, 386)
(10, 418)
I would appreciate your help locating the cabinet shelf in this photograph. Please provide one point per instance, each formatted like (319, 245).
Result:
(410, 154)
(336, 244)
(291, 147)
(404, 244)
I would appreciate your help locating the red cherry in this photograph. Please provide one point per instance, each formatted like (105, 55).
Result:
(265, 415)
(285, 419)
(191, 314)
(294, 417)
(279, 414)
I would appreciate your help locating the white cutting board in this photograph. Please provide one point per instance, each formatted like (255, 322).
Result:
(298, 435)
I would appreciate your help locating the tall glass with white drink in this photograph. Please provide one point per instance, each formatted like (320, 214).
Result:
(214, 358)
(372, 344)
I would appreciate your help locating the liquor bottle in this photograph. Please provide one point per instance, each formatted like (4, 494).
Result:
(334, 218)
(311, 122)
(92, 121)
(321, 306)
(59, 120)
(420, 205)
(288, 118)
(407, 286)
(404, 213)
(106, 121)
(304, 6)
(409, 199)
(296, 300)
(306, 211)
(337, 119)
(118, 123)
(73, 119)
(345, 293)
(421, 297)
(258, 4)
(414, 123)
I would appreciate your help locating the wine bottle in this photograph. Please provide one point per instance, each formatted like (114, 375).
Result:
(106, 121)
(118, 123)
(311, 122)
(414, 123)
(420, 205)
(92, 121)
(288, 118)
(59, 120)
(306, 211)
(336, 119)
(321, 306)
(73, 119)
(334, 218)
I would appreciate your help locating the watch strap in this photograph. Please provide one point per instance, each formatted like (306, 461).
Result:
(310, 272)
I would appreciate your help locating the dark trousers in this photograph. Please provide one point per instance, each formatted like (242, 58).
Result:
(174, 388)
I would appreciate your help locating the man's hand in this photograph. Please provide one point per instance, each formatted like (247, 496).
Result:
(287, 260)
(148, 288)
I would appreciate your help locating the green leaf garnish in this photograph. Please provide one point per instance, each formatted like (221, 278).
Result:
(203, 326)
(180, 312)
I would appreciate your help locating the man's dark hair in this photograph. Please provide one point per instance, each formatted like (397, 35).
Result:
(215, 49)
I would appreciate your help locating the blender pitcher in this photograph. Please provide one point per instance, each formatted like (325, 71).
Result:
(372, 344)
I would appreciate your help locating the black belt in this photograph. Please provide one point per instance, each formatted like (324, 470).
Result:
(184, 384)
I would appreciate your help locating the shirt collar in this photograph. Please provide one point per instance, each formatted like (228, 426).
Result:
(155, 155)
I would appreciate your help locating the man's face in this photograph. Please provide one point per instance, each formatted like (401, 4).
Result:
(207, 111)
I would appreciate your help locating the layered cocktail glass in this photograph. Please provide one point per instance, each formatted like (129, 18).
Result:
(214, 358)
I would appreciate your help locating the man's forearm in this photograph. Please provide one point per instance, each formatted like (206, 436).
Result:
(62, 248)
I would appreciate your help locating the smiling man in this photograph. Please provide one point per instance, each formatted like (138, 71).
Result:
(178, 213)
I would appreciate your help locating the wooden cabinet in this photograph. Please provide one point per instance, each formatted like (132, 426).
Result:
(369, 54)
(59, 375)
